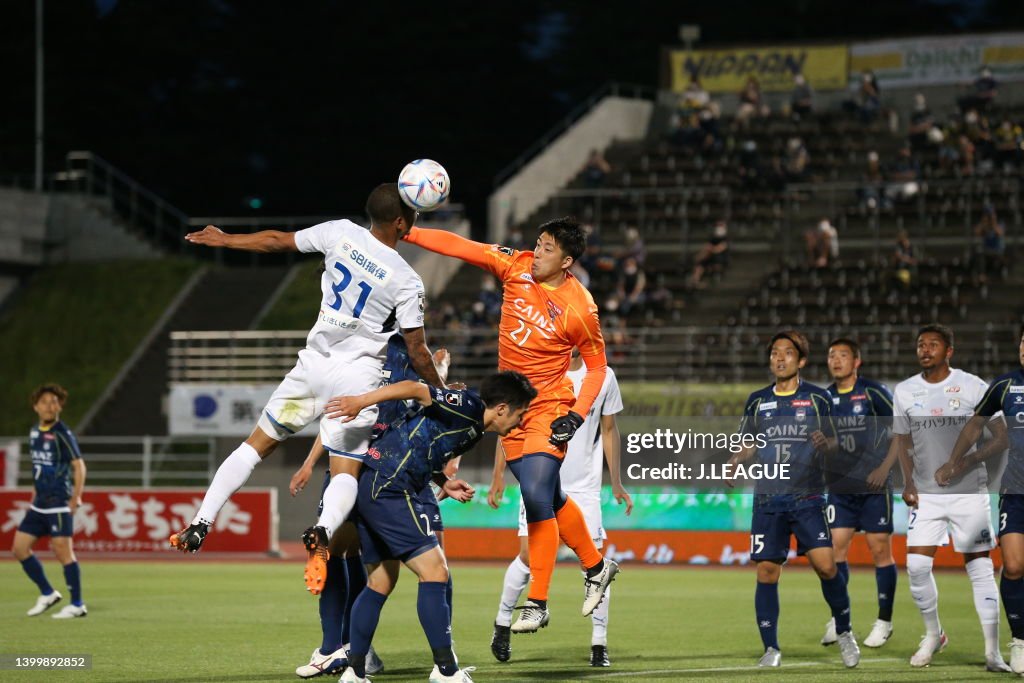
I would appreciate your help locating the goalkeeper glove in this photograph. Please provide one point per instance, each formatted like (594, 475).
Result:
(563, 428)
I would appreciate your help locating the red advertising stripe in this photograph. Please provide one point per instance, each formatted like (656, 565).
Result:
(669, 547)
(140, 521)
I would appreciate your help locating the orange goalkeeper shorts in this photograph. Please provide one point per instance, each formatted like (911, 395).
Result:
(534, 432)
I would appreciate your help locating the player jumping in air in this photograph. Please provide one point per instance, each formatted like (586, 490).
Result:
(393, 526)
(1005, 395)
(795, 420)
(862, 414)
(368, 291)
(58, 475)
(595, 442)
(929, 412)
(545, 312)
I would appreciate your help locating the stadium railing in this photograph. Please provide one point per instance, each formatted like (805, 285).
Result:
(642, 354)
(140, 461)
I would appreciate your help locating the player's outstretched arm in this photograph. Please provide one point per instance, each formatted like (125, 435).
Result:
(611, 443)
(264, 241)
(348, 407)
(491, 257)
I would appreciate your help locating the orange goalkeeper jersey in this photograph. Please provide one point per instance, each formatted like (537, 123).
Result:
(539, 324)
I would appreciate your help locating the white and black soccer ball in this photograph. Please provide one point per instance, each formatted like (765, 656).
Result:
(424, 185)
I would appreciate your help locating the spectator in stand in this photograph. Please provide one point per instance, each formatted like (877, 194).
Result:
(775, 174)
(516, 240)
(822, 244)
(983, 92)
(903, 176)
(990, 249)
(977, 129)
(695, 97)
(748, 165)
(921, 124)
(904, 259)
(871, 193)
(1009, 144)
(633, 247)
(868, 101)
(708, 117)
(630, 289)
(580, 273)
(596, 170)
(752, 104)
(490, 297)
(713, 257)
(797, 160)
(801, 100)
(966, 155)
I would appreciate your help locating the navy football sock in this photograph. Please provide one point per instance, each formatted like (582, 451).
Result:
(365, 615)
(448, 599)
(766, 607)
(838, 600)
(885, 579)
(844, 571)
(73, 577)
(34, 568)
(333, 601)
(1012, 592)
(434, 618)
(356, 584)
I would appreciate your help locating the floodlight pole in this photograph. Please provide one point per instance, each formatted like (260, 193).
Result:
(39, 96)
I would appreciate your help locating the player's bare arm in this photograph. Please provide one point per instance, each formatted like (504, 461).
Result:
(305, 471)
(457, 489)
(78, 467)
(347, 407)
(960, 461)
(497, 489)
(907, 465)
(421, 358)
(610, 441)
(741, 456)
(878, 476)
(264, 241)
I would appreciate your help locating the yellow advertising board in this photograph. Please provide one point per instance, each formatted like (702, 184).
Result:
(726, 70)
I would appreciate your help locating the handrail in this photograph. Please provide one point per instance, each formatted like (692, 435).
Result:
(613, 89)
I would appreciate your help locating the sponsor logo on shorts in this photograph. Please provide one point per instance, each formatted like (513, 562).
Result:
(821, 536)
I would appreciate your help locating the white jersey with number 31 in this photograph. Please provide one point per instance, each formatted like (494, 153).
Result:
(369, 291)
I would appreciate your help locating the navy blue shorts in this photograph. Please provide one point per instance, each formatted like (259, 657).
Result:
(770, 532)
(47, 523)
(867, 512)
(428, 500)
(1011, 513)
(392, 526)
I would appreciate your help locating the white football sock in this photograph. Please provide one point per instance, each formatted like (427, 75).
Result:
(339, 498)
(924, 591)
(516, 577)
(599, 617)
(986, 600)
(231, 476)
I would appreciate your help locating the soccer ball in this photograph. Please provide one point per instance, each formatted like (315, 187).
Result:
(423, 184)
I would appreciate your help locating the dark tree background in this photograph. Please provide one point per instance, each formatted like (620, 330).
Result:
(307, 104)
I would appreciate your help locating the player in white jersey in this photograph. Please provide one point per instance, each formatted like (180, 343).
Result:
(594, 443)
(929, 410)
(368, 291)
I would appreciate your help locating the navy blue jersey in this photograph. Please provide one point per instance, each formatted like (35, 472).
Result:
(397, 368)
(1006, 394)
(416, 446)
(787, 422)
(53, 449)
(862, 417)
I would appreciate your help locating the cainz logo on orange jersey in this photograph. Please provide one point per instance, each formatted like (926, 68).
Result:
(535, 317)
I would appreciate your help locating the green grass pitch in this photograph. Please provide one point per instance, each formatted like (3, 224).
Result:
(185, 620)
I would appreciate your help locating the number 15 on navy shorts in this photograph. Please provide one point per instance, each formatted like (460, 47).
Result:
(770, 533)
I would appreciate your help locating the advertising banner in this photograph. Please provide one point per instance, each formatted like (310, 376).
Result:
(127, 520)
(218, 409)
(945, 60)
(727, 69)
(10, 452)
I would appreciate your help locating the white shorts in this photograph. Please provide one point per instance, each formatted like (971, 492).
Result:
(968, 516)
(590, 506)
(301, 396)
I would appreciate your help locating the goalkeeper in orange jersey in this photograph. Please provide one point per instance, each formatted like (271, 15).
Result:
(545, 312)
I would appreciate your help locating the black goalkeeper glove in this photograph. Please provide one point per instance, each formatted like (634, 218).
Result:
(563, 428)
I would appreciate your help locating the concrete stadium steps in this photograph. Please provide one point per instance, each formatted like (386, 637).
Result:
(224, 299)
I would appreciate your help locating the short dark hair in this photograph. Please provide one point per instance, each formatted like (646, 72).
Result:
(568, 235)
(385, 205)
(1020, 333)
(509, 387)
(803, 347)
(936, 328)
(52, 388)
(847, 342)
